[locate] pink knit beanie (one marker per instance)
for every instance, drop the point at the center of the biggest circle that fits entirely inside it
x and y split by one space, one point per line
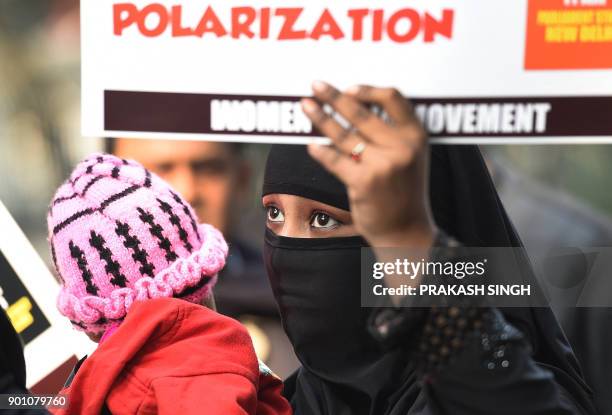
119 234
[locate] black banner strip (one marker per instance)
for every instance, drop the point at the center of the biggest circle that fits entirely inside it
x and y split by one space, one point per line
165 112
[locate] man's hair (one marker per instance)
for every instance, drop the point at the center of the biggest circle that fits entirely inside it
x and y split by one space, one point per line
110 145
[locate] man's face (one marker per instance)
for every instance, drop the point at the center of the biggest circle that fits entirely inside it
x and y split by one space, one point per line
210 176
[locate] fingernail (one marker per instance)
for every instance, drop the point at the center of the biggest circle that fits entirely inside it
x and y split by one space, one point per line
309 105
353 90
319 86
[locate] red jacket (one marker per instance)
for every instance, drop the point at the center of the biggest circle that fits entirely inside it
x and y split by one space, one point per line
173 357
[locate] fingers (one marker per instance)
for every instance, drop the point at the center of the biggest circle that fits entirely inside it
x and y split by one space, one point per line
407 125
344 139
338 164
390 99
368 124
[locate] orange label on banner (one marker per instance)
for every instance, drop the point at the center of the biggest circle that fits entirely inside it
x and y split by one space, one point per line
569 34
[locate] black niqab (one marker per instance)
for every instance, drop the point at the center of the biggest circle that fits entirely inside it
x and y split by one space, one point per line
316 285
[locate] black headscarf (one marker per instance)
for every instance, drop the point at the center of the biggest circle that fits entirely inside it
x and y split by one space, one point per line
315 282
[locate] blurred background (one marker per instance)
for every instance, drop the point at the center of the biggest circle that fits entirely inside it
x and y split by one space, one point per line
556 195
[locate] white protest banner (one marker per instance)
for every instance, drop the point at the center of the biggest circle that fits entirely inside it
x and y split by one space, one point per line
521 71
28 293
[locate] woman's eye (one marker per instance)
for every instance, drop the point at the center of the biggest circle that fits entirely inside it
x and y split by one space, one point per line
323 220
275 214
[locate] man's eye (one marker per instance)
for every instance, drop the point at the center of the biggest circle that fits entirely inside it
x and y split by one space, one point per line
164 168
323 220
209 167
275 214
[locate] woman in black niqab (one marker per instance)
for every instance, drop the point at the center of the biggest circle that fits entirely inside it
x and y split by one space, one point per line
346 370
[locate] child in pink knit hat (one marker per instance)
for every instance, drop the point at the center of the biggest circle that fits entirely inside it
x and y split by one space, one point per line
135 267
